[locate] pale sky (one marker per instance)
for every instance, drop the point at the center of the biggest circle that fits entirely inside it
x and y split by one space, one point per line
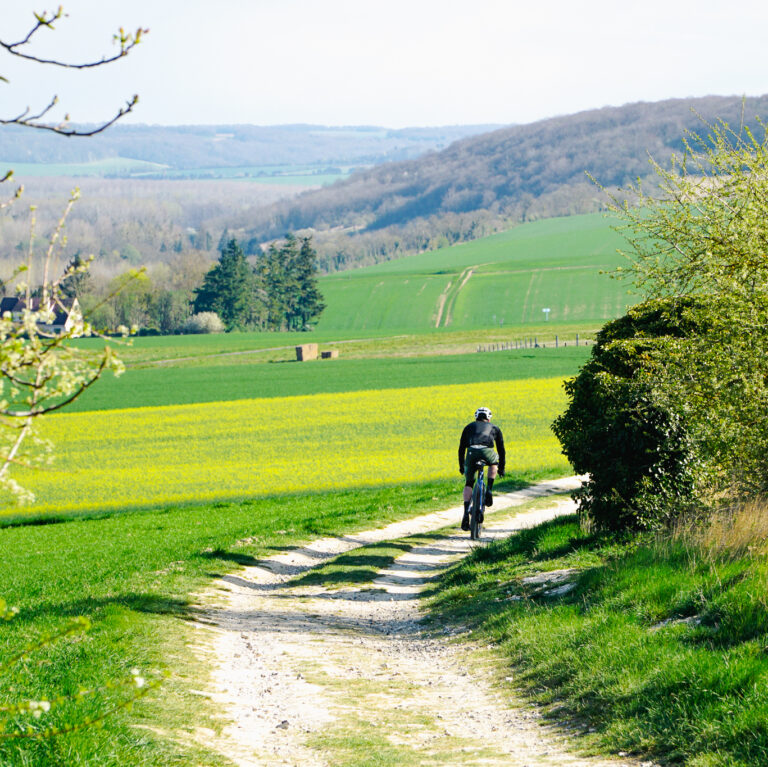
395 63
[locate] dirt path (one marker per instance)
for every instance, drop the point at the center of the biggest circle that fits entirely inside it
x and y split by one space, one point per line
316 677
463 280
441 303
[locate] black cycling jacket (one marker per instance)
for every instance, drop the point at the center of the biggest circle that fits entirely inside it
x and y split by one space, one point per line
482 433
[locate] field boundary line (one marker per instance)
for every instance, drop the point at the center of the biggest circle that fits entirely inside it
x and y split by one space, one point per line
171 360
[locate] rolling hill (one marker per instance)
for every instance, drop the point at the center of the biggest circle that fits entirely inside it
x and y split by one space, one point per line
483 183
504 279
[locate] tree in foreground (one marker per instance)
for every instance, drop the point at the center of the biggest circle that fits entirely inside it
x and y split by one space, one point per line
681 383
41 371
31 118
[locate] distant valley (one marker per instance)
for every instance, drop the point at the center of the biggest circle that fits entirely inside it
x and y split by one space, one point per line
301 154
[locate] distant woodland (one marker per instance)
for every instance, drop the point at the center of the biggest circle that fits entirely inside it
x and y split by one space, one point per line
129 223
492 181
175 229
474 187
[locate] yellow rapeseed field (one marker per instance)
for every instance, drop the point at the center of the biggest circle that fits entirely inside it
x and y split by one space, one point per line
247 448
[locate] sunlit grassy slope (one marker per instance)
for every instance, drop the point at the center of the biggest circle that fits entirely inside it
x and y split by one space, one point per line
508 278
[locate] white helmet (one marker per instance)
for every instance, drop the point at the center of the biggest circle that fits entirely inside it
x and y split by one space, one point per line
486 411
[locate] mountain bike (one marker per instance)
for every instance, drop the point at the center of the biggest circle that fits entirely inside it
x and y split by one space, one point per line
477 504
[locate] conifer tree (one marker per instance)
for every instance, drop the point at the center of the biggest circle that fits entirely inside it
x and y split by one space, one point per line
310 304
273 272
231 289
289 275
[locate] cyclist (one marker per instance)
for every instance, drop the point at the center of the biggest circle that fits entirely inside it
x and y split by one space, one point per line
477 441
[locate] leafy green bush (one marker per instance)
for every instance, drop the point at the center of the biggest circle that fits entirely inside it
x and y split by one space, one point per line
671 413
635 447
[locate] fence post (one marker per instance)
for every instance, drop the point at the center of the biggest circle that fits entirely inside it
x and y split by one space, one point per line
556 342
577 339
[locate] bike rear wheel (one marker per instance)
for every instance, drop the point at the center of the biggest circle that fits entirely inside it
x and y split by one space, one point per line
477 510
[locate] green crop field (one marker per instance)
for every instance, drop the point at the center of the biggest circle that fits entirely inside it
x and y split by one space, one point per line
180 385
505 279
284 175
197 348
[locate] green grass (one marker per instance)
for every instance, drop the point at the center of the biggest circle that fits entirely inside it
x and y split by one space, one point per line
193 348
504 279
165 385
133 576
125 167
113 166
692 691
246 348
357 567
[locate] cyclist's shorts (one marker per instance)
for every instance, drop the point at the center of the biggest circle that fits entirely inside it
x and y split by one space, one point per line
475 454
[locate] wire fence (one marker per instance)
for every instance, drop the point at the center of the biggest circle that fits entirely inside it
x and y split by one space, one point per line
534 343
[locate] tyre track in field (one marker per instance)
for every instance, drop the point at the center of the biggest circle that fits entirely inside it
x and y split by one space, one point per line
299 671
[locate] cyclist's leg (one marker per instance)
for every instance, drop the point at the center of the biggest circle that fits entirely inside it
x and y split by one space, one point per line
493 470
467 501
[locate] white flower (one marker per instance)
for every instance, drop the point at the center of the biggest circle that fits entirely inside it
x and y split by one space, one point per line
38 707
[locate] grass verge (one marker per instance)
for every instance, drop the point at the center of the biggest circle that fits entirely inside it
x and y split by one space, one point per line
658 647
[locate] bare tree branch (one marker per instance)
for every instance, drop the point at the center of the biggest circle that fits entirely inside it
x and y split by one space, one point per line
127 41
61 128
45 20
